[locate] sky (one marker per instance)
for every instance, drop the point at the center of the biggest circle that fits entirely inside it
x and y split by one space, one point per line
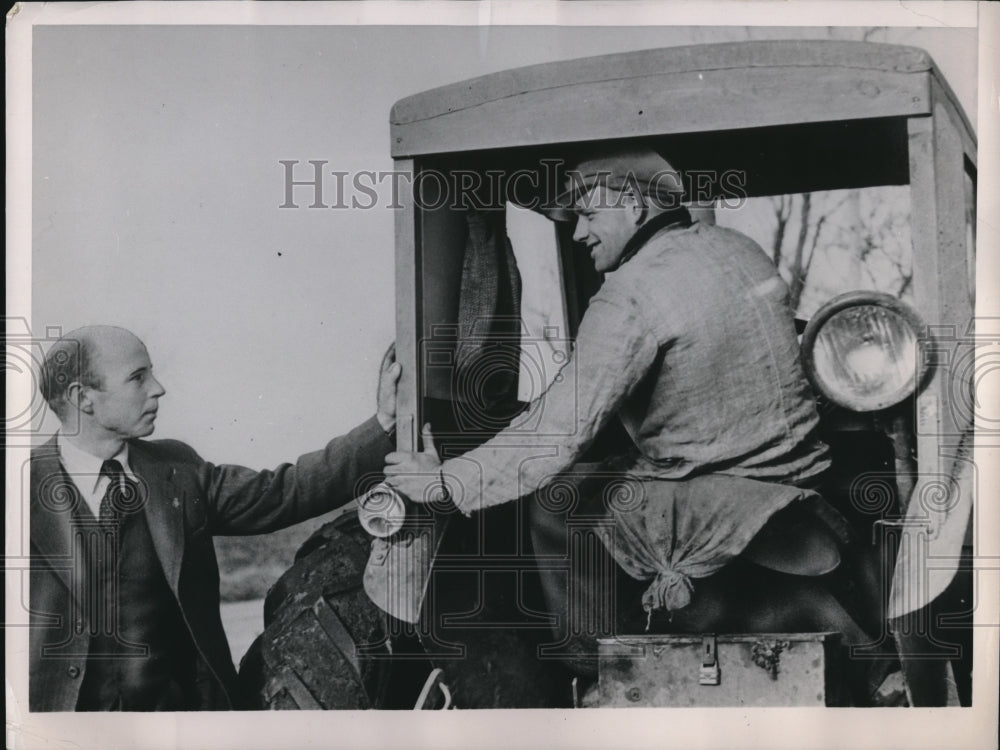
157 184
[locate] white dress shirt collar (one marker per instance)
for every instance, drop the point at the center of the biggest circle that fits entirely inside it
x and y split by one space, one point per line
85 471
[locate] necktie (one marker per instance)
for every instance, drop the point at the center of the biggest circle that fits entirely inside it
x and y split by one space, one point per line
121 496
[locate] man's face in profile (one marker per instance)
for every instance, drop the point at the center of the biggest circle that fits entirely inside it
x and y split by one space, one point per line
606 219
126 402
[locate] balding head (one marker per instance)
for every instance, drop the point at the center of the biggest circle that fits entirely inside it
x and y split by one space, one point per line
77 358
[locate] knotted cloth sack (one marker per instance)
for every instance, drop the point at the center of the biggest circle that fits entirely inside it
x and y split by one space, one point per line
674 531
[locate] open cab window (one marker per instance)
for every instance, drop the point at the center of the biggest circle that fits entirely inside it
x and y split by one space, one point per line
828 242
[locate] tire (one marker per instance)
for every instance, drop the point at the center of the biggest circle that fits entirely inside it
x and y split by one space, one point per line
333 558
317 614
324 645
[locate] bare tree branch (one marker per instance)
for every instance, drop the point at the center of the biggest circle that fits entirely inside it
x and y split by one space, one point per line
905 286
871 275
797 271
812 248
782 211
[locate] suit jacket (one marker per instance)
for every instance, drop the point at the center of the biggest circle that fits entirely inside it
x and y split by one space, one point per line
189 500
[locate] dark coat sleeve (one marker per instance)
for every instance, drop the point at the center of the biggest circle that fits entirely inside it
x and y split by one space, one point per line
244 501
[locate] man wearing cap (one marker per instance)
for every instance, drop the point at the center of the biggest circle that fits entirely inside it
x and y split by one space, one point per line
124 578
691 344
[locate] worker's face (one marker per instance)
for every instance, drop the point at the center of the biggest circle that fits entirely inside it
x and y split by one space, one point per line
606 219
125 403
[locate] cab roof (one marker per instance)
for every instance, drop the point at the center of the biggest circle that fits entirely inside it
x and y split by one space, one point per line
689 89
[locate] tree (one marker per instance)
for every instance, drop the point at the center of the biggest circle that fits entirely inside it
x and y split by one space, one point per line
858 238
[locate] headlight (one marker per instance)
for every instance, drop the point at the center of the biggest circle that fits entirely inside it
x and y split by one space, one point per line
862 351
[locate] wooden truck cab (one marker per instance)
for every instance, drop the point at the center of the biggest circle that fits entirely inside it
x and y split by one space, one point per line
786 118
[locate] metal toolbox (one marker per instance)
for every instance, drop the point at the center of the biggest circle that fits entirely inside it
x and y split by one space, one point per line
762 669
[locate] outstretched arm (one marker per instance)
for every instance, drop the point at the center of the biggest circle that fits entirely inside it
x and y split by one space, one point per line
614 350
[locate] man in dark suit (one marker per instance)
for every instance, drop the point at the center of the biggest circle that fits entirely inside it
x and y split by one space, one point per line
124 578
